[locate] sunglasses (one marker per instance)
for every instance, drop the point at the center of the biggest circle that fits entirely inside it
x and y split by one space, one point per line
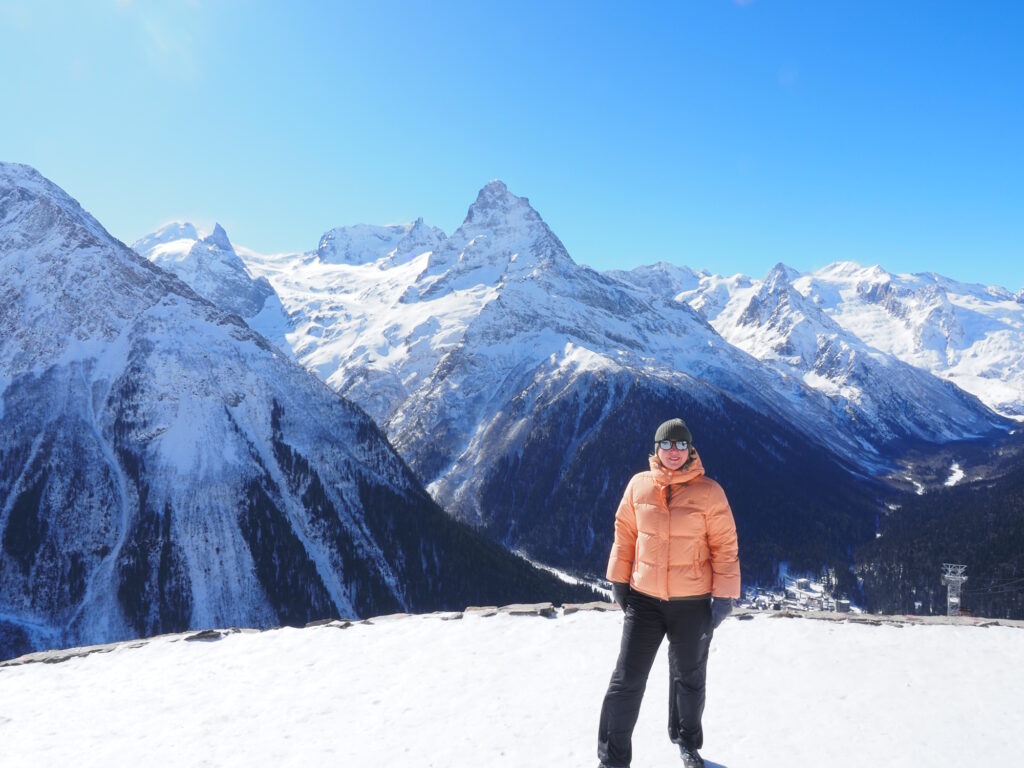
667 445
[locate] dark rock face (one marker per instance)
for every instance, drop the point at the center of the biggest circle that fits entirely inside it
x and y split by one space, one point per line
284 569
154 587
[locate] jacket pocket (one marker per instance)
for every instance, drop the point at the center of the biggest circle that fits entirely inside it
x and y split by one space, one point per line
701 556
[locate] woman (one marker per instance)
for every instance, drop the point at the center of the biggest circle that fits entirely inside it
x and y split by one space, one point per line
674 570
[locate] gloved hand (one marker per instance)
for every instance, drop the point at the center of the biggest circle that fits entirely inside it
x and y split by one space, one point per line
620 591
720 608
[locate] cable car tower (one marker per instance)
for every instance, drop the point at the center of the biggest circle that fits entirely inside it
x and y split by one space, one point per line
953 576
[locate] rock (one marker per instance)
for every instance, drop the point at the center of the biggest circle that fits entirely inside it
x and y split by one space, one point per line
206 635
489 610
335 623
65 654
547 610
595 605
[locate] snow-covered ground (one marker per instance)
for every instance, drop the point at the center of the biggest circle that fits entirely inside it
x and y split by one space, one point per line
519 691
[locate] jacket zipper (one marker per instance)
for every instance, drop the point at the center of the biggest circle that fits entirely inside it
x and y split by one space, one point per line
668 529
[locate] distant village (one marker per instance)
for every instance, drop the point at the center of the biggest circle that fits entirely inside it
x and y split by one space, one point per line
797 594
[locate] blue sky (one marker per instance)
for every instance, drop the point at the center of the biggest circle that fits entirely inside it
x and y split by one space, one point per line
713 133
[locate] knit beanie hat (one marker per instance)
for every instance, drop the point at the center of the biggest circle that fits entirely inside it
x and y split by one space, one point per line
673 429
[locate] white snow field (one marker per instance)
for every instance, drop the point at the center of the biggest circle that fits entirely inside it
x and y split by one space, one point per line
519 691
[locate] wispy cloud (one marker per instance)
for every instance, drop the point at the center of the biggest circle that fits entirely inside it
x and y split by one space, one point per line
167 35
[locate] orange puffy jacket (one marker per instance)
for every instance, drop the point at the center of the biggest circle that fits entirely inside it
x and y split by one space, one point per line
675 535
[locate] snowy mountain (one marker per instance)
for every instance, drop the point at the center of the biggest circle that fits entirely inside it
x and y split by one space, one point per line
523 388
970 335
886 399
516 691
367 244
163 467
210 265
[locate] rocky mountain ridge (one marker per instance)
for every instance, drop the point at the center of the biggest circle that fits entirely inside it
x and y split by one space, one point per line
969 335
521 387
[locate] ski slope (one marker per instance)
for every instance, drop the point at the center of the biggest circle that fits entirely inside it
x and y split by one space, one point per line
516 691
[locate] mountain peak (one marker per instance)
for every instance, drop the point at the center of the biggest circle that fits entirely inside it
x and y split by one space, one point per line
19 174
780 274
219 238
175 230
36 211
495 204
851 270
502 234
495 189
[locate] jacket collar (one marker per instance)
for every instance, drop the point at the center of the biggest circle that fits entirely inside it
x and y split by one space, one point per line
690 471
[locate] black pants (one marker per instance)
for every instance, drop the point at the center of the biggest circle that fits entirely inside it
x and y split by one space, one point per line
688 626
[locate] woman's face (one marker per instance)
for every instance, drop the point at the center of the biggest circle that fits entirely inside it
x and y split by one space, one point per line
673 458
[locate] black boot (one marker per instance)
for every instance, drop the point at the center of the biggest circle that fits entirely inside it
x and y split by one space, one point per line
691 758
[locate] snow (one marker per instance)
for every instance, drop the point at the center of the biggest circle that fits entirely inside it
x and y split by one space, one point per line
971 335
919 488
568 578
391 316
143 383
519 691
785 321
956 474
350 317
968 334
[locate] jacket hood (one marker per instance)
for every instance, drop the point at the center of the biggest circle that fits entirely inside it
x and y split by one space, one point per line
690 471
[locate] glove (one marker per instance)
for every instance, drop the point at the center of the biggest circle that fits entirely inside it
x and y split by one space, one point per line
620 591
720 608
